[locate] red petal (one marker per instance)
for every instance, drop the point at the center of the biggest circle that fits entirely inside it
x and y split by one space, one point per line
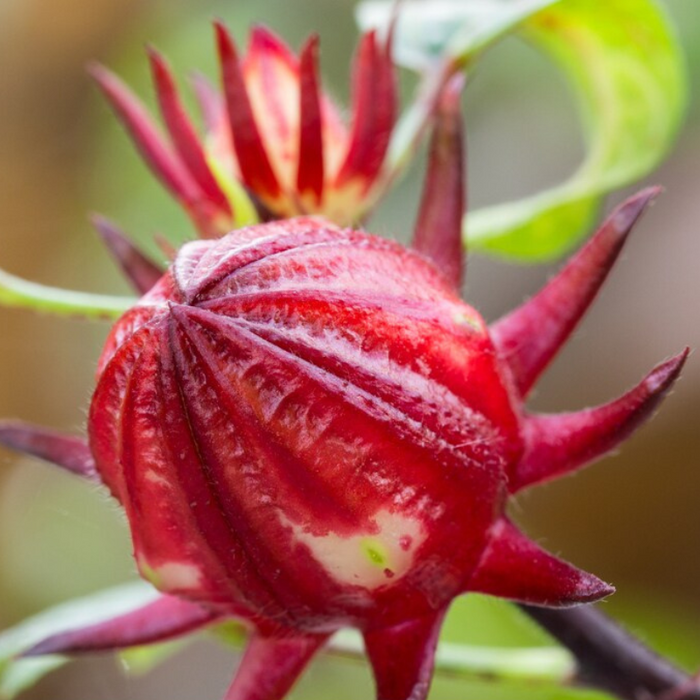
253 160
530 336
403 657
156 152
271 75
164 618
265 45
438 232
182 132
271 666
66 451
141 271
374 112
516 568
310 174
562 443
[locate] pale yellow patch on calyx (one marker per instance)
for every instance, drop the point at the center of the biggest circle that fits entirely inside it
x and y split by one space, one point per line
371 558
171 576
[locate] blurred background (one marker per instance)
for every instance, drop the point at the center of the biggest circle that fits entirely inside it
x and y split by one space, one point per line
633 519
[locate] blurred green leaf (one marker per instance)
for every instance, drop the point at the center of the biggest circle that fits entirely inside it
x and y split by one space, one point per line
435 38
138 661
621 58
548 665
18 674
485 621
428 31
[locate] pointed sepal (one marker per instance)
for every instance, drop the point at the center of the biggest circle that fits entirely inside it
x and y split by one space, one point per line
529 337
438 231
271 666
183 134
310 169
403 657
162 619
157 153
373 111
514 567
253 159
140 270
559 444
66 451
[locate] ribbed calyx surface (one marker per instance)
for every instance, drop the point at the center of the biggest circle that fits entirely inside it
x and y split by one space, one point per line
305 422
309 430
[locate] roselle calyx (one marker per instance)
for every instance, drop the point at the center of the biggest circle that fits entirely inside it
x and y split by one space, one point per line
313 384
308 430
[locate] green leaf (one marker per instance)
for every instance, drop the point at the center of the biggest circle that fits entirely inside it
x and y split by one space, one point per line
244 212
621 58
18 674
433 29
435 37
21 294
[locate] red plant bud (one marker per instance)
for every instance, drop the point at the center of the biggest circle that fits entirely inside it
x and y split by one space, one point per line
308 429
306 421
272 129
306 426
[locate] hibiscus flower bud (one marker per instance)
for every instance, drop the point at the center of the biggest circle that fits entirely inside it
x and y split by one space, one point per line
272 133
322 408
308 429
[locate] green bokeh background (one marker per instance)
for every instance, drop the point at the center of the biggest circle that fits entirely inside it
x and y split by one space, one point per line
632 519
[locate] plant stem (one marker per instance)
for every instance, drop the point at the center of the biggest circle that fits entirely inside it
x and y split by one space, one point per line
19 293
549 665
610 658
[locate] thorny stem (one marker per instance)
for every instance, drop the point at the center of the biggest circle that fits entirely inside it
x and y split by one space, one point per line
611 659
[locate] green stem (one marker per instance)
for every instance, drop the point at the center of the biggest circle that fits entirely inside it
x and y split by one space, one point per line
535 664
547 665
21 294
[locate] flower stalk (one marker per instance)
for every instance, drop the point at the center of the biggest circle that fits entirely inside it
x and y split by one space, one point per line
21 294
611 659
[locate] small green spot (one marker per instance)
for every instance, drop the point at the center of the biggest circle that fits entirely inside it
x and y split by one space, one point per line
375 552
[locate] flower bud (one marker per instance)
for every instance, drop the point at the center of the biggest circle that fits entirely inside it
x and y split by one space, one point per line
307 422
272 133
308 430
